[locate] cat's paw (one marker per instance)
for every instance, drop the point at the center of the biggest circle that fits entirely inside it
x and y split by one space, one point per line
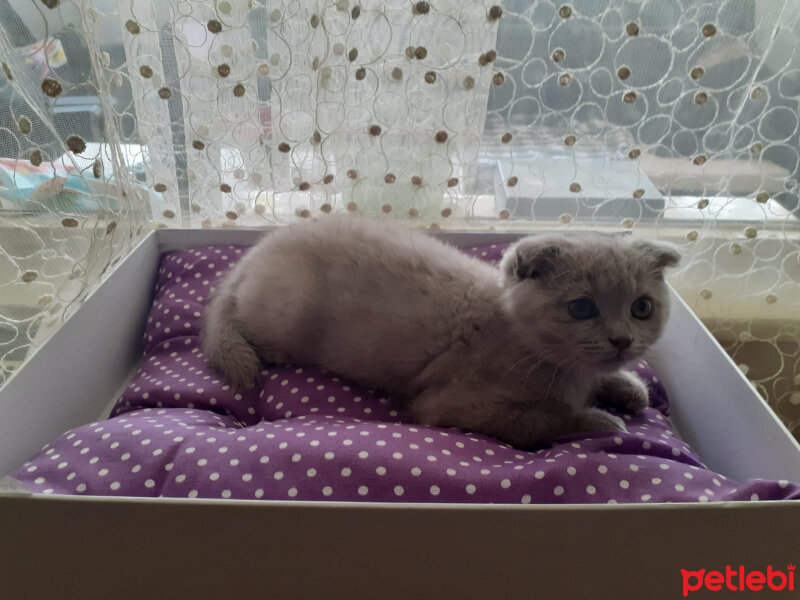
270 356
238 367
622 389
237 364
594 419
241 376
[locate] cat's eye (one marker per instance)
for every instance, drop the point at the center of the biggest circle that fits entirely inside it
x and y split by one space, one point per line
582 308
642 308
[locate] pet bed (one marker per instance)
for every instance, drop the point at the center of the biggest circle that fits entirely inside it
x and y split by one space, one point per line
304 434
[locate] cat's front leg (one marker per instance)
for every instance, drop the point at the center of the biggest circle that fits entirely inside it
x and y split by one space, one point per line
521 425
623 389
595 419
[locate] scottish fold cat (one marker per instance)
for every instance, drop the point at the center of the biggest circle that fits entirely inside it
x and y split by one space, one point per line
524 352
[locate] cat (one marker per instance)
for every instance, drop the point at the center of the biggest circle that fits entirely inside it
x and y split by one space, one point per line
523 353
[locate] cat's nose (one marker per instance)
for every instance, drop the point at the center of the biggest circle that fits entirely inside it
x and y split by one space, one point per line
621 343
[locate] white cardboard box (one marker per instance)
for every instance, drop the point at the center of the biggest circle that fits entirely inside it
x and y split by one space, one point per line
136 547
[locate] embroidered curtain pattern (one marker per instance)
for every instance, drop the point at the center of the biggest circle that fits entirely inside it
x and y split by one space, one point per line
675 119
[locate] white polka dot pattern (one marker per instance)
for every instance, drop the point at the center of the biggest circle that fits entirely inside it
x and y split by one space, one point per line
304 434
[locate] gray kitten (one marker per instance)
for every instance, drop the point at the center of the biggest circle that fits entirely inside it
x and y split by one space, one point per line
523 353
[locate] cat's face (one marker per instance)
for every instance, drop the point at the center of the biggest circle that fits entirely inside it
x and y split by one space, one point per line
590 299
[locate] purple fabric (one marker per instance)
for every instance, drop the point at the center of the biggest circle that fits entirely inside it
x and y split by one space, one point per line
302 433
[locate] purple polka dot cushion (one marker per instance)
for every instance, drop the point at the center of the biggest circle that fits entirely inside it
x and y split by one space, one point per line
302 433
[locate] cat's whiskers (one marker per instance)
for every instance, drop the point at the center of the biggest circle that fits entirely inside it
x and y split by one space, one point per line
527 356
547 357
542 358
563 273
555 372
531 369
525 352
591 347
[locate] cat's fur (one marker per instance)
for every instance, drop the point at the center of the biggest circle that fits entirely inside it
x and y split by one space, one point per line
460 342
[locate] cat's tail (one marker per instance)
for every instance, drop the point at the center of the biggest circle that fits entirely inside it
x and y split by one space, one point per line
224 347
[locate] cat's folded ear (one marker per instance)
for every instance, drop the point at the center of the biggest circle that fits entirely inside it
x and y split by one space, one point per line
660 254
533 258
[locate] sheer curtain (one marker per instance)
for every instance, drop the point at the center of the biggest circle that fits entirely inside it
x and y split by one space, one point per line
677 119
